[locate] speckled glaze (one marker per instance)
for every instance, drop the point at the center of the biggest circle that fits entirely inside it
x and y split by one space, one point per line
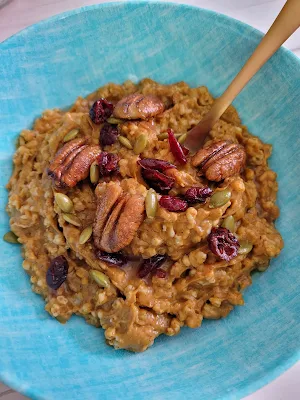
49 65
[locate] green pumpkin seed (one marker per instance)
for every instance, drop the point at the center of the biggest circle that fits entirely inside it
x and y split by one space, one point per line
262 268
71 135
162 136
85 235
182 138
64 202
245 247
100 278
94 173
114 121
229 223
72 219
218 199
125 142
62 320
11 237
151 203
140 144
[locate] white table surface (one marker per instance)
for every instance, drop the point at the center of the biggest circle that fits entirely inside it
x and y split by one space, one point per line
18 14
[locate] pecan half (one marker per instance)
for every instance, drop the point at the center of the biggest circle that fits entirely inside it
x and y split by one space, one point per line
69 149
118 217
220 160
138 106
72 162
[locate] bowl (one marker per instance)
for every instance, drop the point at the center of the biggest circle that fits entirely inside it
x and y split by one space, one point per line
48 65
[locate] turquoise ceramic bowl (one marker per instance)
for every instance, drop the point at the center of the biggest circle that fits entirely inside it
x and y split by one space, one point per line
48 65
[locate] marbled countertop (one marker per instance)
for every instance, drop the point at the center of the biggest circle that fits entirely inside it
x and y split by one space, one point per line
17 14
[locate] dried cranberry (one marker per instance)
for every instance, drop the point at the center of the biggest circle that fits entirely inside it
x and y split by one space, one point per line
153 163
112 258
176 148
223 243
100 111
108 134
151 265
197 194
185 150
174 204
161 273
157 180
108 163
57 272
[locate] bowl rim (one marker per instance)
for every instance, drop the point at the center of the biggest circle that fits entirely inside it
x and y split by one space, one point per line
283 364
156 3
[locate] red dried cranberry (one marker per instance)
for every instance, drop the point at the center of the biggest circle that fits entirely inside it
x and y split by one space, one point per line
151 265
108 163
161 273
57 272
100 111
223 243
153 163
176 148
185 150
174 204
197 194
112 258
108 134
160 182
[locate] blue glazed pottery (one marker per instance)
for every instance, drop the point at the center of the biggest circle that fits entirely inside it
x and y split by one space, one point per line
48 65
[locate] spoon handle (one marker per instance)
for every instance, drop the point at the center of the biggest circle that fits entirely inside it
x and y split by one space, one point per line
282 28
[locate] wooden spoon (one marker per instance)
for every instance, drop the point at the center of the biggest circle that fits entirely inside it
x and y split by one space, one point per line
283 27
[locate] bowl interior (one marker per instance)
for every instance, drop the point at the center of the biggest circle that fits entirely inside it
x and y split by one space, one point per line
48 65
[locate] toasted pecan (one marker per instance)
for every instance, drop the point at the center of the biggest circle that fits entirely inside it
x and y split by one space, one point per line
220 160
129 221
80 167
108 242
68 150
138 106
118 217
105 204
72 162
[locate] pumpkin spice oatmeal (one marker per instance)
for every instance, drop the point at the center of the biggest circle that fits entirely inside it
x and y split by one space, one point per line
121 225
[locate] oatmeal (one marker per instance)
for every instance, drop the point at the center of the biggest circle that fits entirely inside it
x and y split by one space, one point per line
121 225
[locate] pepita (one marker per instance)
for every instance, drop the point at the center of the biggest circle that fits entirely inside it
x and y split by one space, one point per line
61 319
71 135
162 136
125 142
182 138
218 199
11 237
114 121
262 268
85 235
140 144
151 203
101 279
229 223
64 202
71 219
94 173
245 247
